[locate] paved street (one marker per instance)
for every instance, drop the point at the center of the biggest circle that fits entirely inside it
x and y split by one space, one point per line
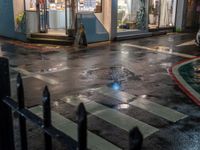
122 84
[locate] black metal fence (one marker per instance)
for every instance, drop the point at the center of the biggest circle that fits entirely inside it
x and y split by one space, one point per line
8 105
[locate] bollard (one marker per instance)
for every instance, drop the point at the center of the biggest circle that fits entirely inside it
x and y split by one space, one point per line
22 120
82 127
47 117
135 139
6 125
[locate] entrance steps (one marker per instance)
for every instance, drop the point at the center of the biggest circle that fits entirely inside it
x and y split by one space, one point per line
45 38
133 36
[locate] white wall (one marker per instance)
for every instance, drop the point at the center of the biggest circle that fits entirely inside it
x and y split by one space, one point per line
110 17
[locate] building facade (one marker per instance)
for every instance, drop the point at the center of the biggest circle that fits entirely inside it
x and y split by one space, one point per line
103 19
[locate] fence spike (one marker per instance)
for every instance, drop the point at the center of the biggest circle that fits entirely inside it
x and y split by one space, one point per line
22 120
47 117
46 94
20 91
82 127
135 139
6 125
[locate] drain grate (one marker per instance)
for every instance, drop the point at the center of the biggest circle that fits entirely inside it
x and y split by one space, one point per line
117 73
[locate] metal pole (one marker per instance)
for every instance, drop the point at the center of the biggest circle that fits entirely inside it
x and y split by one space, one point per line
6 125
47 117
22 120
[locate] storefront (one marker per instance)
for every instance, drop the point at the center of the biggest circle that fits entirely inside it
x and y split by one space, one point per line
103 19
59 17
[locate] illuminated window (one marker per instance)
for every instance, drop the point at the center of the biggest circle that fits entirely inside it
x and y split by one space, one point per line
90 6
31 5
131 15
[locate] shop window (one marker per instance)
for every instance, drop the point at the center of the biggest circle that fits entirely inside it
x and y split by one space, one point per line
31 5
167 13
19 15
162 13
154 13
90 6
56 4
131 15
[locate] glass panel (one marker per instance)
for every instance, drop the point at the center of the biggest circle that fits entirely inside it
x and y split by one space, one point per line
31 5
154 12
19 15
90 5
131 15
56 15
167 13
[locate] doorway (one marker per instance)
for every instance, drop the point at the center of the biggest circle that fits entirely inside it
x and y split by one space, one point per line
55 16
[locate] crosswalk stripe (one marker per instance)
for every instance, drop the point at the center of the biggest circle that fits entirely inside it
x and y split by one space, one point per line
120 95
112 116
37 76
154 108
70 128
159 110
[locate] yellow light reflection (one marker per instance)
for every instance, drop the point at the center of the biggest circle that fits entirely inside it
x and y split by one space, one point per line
123 106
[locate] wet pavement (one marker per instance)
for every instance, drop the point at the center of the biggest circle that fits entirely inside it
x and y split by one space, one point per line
123 84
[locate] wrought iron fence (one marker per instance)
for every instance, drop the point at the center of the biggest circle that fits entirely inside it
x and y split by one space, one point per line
8 105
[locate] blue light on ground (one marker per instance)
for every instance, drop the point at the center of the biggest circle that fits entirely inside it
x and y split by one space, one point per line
116 86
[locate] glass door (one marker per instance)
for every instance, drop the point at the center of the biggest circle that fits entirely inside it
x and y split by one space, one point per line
42 15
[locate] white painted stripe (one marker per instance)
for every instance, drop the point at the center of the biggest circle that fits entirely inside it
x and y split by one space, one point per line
70 128
37 76
159 50
159 110
188 43
120 95
112 116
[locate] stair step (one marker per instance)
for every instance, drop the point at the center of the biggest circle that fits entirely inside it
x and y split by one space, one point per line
133 36
48 36
52 41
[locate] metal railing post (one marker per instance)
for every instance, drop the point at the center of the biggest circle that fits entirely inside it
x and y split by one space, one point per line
82 127
6 125
135 139
22 120
47 117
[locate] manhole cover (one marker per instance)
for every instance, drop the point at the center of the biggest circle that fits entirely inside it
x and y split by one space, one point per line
113 73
